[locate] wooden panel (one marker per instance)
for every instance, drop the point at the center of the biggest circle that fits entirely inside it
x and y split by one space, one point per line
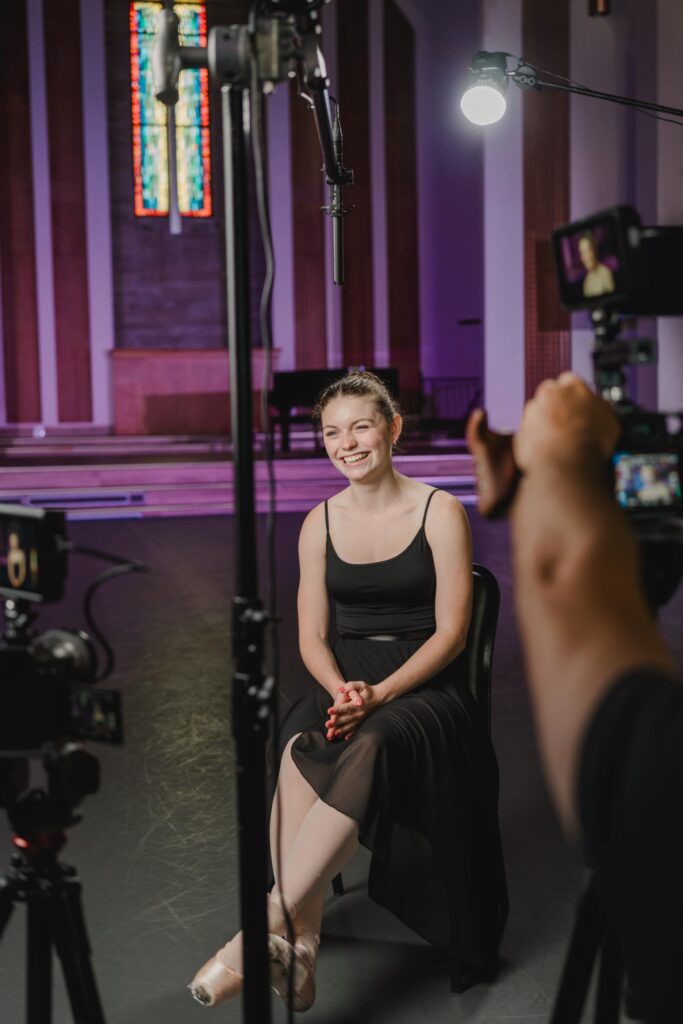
401 185
354 85
309 238
546 192
160 391
17 244
67 185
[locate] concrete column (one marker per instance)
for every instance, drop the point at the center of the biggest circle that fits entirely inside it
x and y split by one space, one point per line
597 139
504 233
613 149
97 208
378 183
670 188
3 407
40 151
335 347
280 194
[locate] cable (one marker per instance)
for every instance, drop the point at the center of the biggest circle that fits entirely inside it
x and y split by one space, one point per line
267 344
105 556
579 85
122 567
258 146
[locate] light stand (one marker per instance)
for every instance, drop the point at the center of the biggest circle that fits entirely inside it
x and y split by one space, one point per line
279 41
525 76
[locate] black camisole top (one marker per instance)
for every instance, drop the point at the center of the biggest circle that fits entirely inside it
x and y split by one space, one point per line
393 597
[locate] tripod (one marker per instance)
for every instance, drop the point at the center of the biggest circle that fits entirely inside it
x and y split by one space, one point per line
592 936
52 894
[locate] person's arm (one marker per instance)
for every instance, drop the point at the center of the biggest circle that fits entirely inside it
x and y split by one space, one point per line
313 605
448 533
579 603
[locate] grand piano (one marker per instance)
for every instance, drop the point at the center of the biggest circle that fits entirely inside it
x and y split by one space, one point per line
299 389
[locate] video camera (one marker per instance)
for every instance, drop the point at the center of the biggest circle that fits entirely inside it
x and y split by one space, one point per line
614 267
48 704
46 693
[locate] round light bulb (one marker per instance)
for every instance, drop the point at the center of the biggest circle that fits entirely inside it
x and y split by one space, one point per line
483 104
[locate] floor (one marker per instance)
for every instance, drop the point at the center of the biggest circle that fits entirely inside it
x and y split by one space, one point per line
156 849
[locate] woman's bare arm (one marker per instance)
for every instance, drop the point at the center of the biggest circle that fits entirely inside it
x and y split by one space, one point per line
313 605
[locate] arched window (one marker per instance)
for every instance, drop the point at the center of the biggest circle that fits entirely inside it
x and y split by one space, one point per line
150 155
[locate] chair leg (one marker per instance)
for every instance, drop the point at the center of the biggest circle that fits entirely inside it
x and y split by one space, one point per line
459 976
338 885
463 975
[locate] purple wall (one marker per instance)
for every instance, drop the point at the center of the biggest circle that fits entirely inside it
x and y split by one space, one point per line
451 193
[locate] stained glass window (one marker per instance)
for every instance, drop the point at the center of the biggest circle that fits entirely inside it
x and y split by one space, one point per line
150 156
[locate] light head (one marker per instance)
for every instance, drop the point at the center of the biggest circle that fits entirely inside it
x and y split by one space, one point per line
484 102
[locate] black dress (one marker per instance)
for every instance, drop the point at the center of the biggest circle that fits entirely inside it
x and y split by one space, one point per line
419 775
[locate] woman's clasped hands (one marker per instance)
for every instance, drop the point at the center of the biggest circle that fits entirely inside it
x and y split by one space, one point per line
354 701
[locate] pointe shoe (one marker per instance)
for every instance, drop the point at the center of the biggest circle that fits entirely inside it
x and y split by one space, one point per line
218 980
300 959
221 979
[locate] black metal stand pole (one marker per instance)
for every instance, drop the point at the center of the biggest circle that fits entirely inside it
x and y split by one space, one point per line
251 694
230 55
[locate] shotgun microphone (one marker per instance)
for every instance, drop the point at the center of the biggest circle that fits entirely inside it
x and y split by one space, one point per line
337 205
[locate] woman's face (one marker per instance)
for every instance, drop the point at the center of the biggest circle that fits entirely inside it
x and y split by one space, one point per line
357 437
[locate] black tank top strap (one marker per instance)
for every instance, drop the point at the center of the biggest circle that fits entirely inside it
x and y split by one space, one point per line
424 518
327 520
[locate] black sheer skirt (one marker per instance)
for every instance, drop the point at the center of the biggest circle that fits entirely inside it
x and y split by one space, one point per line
420 777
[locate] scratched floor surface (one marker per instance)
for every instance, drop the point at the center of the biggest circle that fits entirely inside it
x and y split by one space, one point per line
156 849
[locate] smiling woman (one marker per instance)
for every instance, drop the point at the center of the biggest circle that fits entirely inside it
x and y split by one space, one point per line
389 748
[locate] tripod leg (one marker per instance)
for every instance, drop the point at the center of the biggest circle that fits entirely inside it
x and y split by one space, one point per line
610 984
73 948
578 966
38 959
7 891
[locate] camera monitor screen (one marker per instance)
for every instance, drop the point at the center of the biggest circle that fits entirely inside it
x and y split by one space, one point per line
647 480
591 258
32 560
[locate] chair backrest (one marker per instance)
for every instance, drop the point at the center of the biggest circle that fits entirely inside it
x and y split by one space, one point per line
478 653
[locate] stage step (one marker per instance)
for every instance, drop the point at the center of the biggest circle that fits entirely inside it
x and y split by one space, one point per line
97 490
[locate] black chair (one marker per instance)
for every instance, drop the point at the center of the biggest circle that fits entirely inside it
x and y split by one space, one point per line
447 403
478 653
478 658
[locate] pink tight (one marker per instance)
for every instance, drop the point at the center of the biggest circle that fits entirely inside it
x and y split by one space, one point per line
310 843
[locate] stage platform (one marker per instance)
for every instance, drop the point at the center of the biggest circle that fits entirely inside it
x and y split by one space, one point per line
101 477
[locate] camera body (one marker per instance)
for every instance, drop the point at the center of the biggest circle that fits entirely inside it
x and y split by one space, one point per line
33 554
610 261
647 465
46 691
612 266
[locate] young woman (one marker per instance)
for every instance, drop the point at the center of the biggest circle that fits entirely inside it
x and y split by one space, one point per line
390 748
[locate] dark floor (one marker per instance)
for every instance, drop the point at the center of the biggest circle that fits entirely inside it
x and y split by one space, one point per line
156 848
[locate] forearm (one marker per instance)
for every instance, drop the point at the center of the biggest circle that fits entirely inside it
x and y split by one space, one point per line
319 660
579 604
434 654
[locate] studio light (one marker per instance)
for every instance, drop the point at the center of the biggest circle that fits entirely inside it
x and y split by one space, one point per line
484 102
